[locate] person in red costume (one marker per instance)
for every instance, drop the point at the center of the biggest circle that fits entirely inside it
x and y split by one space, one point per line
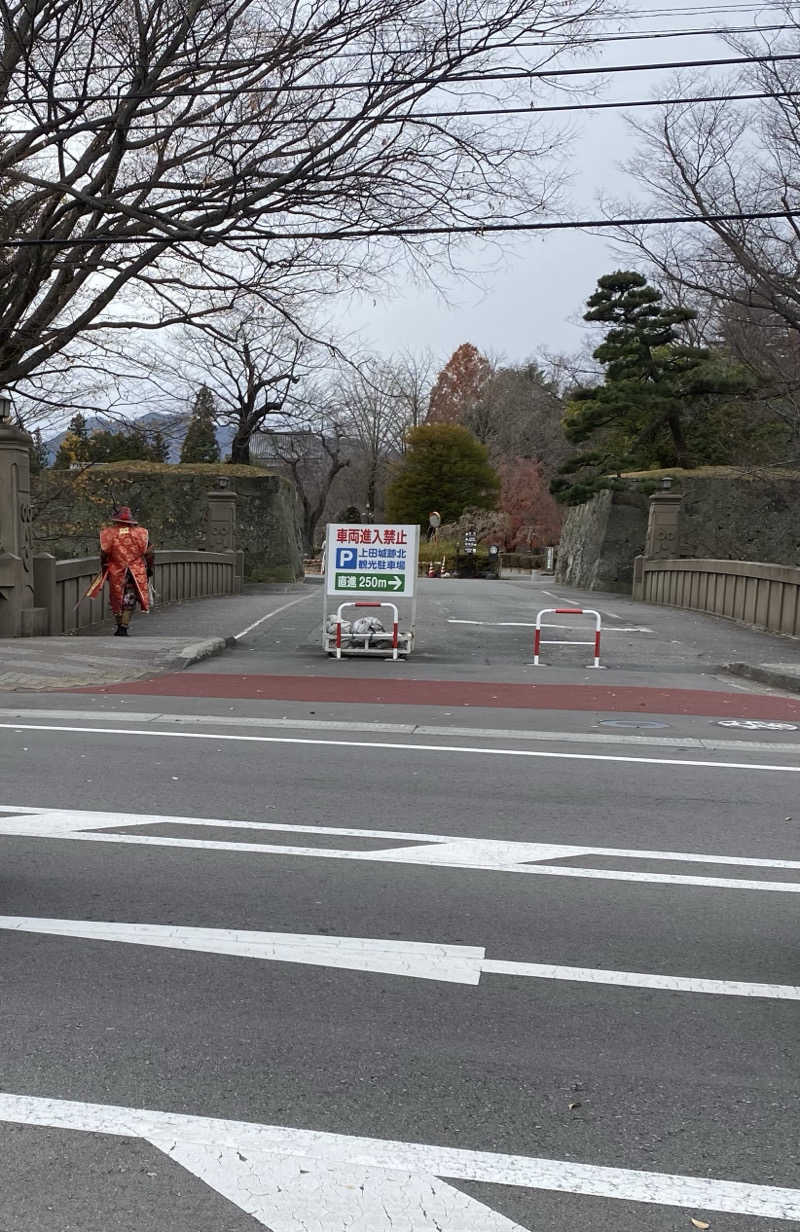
126 560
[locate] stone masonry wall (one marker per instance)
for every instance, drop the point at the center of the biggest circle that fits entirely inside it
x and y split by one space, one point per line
725 515
743 518
172 502
600 539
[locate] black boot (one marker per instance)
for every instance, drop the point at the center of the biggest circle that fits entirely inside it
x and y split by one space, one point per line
123 630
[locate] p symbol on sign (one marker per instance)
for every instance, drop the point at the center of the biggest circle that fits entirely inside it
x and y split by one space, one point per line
346 558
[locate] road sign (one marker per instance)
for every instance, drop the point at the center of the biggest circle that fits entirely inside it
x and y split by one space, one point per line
435 520
393 582
371 560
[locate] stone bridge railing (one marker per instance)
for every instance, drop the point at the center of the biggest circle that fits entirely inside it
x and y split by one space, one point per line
767 596
59 585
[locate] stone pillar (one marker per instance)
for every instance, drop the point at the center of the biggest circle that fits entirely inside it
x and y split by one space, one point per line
16 532
221 529
44 588
663 526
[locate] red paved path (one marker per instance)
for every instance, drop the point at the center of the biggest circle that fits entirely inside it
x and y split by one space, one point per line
456 693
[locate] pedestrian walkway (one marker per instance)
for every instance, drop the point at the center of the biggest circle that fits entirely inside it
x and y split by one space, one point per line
168 639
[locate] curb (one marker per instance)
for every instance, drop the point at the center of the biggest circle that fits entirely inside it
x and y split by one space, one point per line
766 675
196 651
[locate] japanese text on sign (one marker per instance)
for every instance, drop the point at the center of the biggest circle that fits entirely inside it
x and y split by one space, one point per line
379 558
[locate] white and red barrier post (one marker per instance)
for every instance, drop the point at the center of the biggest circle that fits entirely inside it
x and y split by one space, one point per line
367 603
567 611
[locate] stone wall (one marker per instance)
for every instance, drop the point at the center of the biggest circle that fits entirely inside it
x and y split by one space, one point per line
726 515
172 502
600 539
747 517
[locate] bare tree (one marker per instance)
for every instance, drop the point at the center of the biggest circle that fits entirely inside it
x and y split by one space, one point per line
251 362
737 157
156 154
313 456
379 401
411 375
734 156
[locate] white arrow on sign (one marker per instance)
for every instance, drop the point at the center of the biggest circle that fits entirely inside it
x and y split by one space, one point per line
395 582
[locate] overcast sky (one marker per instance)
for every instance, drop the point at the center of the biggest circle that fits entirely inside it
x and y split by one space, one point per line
534 300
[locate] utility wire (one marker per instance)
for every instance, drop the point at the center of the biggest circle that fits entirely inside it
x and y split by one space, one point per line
507 75
413 116
476 228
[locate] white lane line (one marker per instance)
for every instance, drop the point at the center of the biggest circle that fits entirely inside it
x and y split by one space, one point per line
269 615
230 720
416 729
454 964
391 746
485 855
531 624
641 979
194 1141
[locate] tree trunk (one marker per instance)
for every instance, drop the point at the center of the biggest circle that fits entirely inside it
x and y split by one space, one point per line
682 455
240 450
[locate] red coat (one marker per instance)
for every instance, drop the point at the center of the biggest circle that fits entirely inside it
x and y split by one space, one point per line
126 549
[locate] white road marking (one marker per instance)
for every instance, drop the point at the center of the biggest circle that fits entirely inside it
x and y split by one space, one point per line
269 615
457 964
454 964
387 745
531 624
340 1163
641 979
486 855
771 748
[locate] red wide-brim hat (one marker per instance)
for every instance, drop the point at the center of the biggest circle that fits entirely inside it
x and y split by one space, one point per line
124 516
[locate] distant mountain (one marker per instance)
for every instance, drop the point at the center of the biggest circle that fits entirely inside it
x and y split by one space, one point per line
173 427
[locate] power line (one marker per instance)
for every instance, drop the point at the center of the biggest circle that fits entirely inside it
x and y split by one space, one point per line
631 36
550 39
507 75
412 116
476 228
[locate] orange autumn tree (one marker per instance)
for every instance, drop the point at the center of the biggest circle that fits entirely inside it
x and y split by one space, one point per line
459 386
532 515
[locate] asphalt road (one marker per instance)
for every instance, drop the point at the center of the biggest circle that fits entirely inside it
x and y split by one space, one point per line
482 971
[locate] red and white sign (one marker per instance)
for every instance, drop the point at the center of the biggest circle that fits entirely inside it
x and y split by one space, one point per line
371 561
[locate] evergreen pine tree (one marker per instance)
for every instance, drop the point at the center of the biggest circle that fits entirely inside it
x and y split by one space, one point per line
656 391
40 458
200 443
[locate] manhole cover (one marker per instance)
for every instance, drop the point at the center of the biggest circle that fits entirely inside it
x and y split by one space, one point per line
757 724
629 723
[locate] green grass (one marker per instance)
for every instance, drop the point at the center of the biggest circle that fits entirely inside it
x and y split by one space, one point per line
715 472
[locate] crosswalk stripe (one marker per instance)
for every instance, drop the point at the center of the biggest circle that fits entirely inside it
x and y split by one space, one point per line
341 1160
435 851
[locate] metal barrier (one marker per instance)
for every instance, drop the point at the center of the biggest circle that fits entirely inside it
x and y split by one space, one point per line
367 649
567 611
